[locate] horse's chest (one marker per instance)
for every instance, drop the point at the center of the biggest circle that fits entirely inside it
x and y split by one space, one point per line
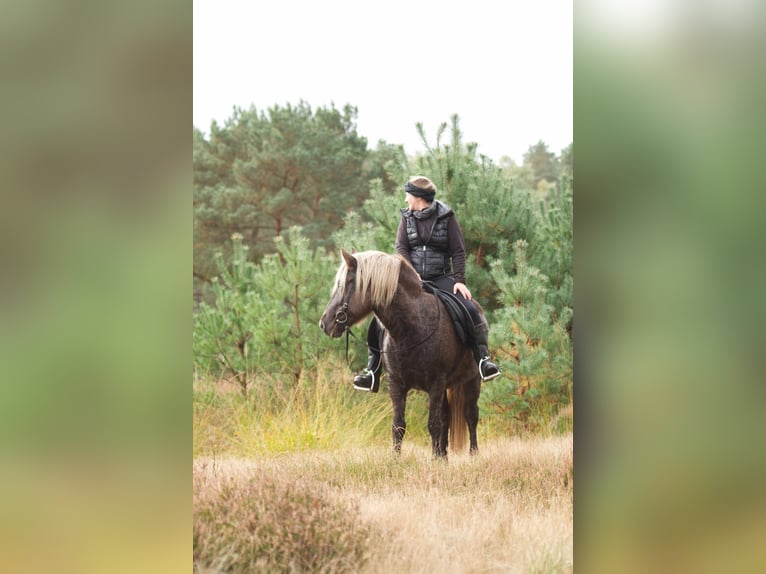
416 371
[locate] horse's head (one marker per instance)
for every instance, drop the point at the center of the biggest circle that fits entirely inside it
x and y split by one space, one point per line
345 308
364 281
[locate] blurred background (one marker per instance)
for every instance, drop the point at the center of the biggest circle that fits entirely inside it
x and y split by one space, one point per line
669 276
97 248
95 330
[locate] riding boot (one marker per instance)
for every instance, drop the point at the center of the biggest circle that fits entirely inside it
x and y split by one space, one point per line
487 369
369 379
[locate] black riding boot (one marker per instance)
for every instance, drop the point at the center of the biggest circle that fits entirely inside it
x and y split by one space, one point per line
369 379
487 369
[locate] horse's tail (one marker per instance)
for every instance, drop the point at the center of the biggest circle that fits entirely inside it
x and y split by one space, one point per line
458 426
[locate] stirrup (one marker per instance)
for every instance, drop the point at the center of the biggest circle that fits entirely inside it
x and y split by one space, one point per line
372 381
490 376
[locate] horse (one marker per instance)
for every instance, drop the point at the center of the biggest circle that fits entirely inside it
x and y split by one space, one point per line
420 350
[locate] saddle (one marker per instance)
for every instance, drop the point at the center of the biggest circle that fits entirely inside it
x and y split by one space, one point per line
461 318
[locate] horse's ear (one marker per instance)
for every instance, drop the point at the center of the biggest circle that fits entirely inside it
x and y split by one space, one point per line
349 259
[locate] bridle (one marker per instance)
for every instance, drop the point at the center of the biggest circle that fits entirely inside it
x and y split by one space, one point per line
341 316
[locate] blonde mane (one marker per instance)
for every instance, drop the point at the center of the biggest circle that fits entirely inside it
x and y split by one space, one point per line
377 276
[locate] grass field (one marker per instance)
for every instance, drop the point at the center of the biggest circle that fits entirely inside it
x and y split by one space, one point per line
509 509
302 478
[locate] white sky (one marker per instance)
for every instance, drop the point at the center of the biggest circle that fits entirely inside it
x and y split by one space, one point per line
505 67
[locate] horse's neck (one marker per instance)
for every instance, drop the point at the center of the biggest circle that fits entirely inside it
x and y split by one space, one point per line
405 315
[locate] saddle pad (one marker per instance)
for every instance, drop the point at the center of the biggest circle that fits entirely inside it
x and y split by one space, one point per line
461 318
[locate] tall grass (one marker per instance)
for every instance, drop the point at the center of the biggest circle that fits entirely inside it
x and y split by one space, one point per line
322 411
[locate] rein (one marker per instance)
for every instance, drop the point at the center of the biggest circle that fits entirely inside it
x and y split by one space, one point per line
348 332
341 318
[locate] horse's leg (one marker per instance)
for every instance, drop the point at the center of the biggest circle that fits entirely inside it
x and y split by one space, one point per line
444 439
472 412
436 398
399 402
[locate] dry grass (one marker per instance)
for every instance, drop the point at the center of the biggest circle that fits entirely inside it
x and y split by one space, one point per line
256 522
509 509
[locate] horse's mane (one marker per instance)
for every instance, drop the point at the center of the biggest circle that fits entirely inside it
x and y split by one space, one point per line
377 276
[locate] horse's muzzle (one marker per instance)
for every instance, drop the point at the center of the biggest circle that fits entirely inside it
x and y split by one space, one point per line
333 329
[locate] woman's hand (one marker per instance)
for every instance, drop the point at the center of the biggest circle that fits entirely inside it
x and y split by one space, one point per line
463 290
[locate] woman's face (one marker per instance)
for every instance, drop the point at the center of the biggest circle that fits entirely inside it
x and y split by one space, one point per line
415 203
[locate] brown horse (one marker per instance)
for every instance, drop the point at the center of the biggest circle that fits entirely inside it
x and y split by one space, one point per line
420 349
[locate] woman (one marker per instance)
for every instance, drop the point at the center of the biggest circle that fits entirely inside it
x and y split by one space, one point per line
430 238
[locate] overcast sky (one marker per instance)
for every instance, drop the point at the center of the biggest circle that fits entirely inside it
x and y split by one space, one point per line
504 67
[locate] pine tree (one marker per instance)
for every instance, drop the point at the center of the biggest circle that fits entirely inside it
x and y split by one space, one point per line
223 331
264 172
533 346
263 320
542 162
551 245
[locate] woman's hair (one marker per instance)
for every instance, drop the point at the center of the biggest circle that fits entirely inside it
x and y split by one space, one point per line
422 182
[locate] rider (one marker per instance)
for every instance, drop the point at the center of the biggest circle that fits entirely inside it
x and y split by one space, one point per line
430 238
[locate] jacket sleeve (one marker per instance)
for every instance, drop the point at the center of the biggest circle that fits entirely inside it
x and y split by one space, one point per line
402 243
456 249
